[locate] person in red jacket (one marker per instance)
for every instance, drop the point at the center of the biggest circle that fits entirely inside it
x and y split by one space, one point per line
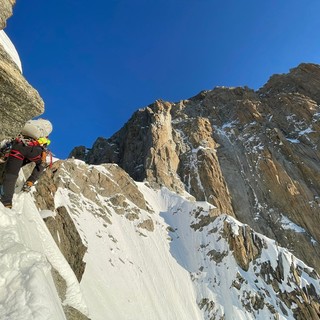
24 150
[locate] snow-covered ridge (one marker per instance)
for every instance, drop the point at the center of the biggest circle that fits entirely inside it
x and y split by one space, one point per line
10 48
173 250
194 263
27 253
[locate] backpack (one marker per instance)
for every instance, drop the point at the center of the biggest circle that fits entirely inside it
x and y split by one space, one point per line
37 128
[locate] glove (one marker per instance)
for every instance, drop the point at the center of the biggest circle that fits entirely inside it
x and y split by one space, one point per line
5 147
5 144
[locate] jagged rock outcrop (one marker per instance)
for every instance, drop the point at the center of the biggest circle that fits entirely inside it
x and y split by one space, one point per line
249 251
253 154
65 234
6 11
88 187
148 147
19 101
99 190
145 148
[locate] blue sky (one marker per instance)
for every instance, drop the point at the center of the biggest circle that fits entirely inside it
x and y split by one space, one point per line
96 62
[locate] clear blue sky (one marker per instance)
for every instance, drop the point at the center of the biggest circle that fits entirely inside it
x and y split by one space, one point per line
96 62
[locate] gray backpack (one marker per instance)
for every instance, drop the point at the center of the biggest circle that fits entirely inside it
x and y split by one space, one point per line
36 129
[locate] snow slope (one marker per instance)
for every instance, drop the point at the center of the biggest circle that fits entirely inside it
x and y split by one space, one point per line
27 252
169 271
130 272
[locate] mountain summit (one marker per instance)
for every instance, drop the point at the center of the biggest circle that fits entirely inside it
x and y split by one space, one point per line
252 154
246 155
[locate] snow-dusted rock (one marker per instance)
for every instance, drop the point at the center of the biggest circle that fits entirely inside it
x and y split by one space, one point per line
169 248
140 246
102 188
19 101
252 154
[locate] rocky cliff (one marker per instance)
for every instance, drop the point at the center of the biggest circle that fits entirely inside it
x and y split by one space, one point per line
19 101
140 240
252 154
6 11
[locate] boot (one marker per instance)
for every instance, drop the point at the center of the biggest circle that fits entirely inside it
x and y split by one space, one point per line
7 205
27 186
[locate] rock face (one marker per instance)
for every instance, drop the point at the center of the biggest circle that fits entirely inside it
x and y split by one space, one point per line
252 154
233 270
18 100
94 189
149 147
85 184
275 273
6 11
68 240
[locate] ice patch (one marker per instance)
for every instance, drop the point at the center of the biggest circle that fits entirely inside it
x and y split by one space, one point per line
10 48
293 140
287 224
306 131
46 214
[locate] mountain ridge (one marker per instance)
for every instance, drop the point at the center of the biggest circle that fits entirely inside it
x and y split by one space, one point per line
252 154
229 271
153 233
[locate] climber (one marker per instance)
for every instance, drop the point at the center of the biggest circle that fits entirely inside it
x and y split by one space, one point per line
30 146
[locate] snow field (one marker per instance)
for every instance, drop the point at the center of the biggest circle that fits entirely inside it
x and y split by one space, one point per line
28 251
27 290
130 273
